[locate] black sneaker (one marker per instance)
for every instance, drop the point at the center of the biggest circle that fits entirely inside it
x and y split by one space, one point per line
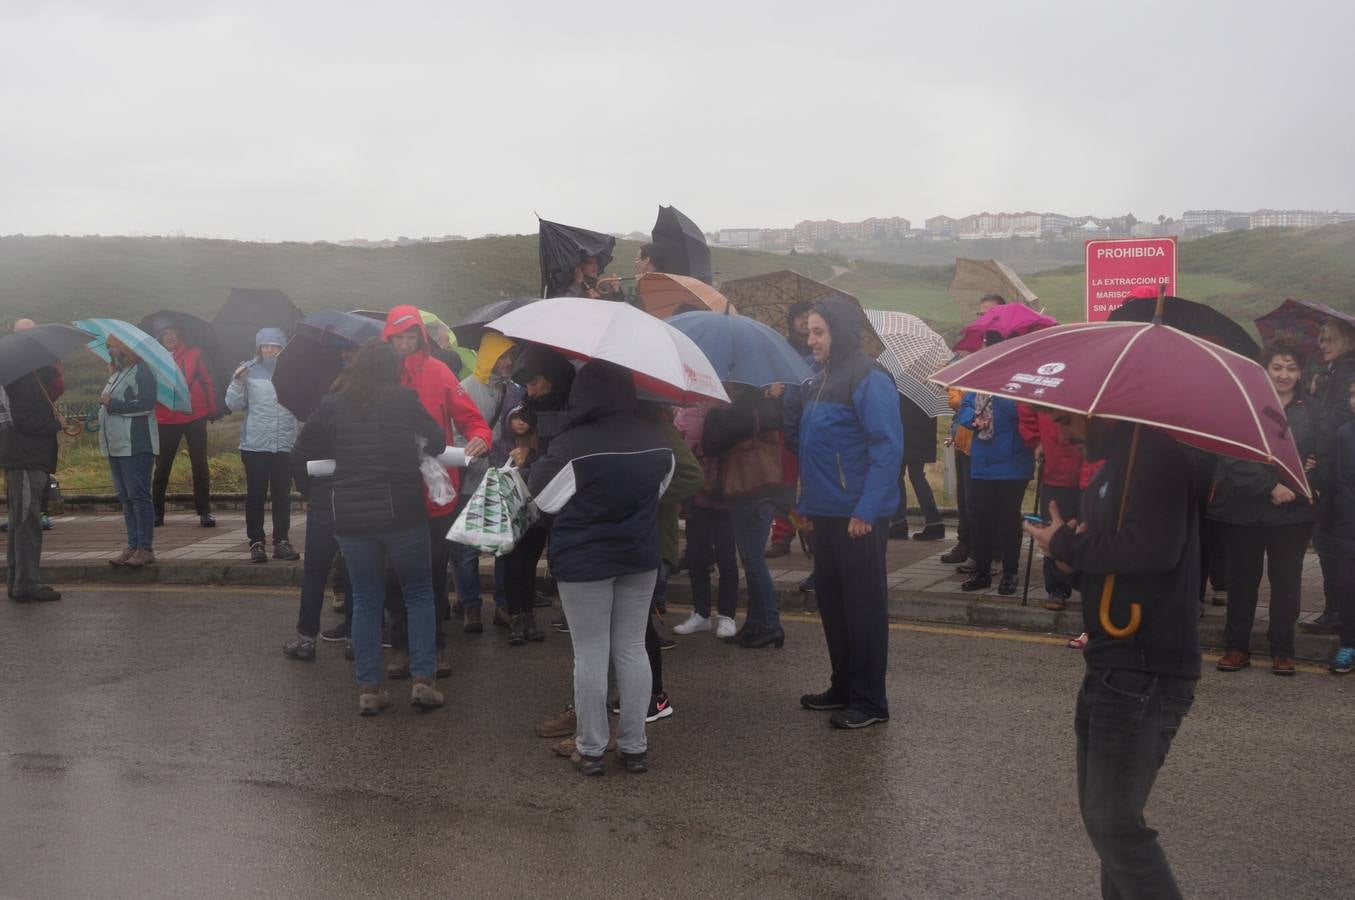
283 550
1326 623
957 554
588 765
634 763
561 625
807 586
257 553
898 531
40 594
855 718
667 643
299 647
540 600
207 520
337 633
826 700
931 533
660 707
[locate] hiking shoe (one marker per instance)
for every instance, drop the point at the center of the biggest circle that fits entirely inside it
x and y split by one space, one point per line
724 627
826 700
567 748
1344 661
659 708
41 594
855 718
517 630
398 668
471 623
635 763
1234 661
540 600
372 699
46 522
337 633
1323 624
778 549
561 625
121 558
257 553
667 643
588 765
977 582
207 520
1282 665
283 550
931 533
561 725
300 647
423 695
957 554
141 557
695 622
1057 600
530 630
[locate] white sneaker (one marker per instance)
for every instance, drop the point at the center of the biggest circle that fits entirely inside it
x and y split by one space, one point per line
725 627
695 622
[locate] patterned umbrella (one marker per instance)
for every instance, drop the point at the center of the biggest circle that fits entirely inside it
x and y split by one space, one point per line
171 389
1299 321
913 353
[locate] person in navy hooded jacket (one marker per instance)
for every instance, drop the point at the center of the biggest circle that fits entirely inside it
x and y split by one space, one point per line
851 448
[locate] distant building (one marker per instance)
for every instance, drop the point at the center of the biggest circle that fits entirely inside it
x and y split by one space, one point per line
1210 218
740 237
941 227
987 225
1053 225
1291 218
871 229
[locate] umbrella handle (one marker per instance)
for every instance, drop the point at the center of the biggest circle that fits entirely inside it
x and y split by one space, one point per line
1135 613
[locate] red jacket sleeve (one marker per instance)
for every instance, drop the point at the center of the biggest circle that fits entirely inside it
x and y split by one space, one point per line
57 386
466 415
205 377
1028 421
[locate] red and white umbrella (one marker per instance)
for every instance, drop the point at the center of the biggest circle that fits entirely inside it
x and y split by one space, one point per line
665 361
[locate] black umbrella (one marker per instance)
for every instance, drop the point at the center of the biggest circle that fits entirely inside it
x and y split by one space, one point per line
1192 318
194 332
562 247
339 329
247 310
305 371
681 245
42 345
470 328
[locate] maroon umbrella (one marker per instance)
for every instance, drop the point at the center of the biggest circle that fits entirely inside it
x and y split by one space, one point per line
1008 320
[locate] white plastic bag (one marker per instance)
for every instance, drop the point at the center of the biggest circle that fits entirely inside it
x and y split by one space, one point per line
435 478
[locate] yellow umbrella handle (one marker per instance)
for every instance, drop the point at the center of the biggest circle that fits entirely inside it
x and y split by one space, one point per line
1135 613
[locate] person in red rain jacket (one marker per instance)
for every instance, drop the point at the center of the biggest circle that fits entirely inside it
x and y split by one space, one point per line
442 395
190 426
1065 474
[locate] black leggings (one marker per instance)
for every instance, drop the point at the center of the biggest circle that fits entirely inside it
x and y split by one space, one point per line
519 570
655 655
267 474
995 507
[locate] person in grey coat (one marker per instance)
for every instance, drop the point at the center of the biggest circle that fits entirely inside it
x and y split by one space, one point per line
266 441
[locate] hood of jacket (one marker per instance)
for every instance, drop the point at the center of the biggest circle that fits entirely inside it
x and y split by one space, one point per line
600 389
537 360
845 321
492 347
401 319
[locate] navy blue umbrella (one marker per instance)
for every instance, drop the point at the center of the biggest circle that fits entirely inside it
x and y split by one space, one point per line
743 350
339 329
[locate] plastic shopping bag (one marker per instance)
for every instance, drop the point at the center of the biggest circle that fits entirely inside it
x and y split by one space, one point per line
436 481
497 513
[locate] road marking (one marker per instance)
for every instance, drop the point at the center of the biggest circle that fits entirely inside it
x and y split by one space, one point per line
94 588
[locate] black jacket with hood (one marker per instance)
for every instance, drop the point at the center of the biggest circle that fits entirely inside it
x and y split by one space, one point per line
602 478
1240 494
29 441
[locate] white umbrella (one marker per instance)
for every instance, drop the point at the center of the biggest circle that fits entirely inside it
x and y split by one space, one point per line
664 360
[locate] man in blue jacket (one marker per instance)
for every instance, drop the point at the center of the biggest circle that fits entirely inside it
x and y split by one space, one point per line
851 448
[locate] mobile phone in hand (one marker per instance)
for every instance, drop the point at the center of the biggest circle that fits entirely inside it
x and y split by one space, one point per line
1036 520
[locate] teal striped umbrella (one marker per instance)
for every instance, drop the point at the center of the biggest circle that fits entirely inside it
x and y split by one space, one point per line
171 388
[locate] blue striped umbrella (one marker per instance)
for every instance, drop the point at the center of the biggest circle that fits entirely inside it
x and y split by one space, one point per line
171 388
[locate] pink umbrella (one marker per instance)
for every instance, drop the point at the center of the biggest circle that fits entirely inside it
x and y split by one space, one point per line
1149 374
1008 320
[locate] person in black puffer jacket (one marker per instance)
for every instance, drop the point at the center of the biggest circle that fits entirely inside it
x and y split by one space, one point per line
601 478
1263 522
370 427
1330 392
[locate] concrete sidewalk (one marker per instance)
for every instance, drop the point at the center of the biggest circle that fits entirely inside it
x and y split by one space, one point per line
921 587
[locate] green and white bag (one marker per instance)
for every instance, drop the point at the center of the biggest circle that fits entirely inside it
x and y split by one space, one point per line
497 513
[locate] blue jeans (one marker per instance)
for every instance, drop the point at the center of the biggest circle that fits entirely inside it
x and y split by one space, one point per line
132 484
752 525
466 571
409 555
1125 724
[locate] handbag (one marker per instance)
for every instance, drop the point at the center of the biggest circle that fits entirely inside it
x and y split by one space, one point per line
497 514
752 467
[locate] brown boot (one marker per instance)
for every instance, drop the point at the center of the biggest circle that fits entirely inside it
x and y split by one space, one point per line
1234 661
561 725
567 749
471 622
121 558
398 668
140 558
372 699
424 695
1282 665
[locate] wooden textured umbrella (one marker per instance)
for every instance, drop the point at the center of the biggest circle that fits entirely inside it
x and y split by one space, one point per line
976 277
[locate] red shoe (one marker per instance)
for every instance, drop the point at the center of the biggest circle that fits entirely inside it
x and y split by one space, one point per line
1234 661
1079 642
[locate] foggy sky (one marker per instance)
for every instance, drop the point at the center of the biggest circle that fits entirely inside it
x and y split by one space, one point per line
307 120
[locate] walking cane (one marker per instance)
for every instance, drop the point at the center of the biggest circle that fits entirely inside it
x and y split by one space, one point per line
1030 551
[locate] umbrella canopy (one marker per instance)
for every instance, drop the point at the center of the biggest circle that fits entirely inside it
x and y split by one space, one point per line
245 311
743 350
1008 320
1193 318
171 388
664 360
194 332
1299 321
470 328
306 369
42 345
682 245
976 277
562 247
338 329
768 298
913 353
664 295
1203 394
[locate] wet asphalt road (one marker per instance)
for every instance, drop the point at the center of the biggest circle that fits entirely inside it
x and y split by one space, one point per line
158 745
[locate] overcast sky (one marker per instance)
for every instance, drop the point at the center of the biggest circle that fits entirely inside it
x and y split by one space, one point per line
290 120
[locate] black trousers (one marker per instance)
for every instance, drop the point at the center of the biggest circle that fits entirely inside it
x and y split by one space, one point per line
195 433
710 538
322 554
267 475
441 551
964 530
1279 549
1341 597
996 510
1213 558
655 656
852 590
519 572
1069 499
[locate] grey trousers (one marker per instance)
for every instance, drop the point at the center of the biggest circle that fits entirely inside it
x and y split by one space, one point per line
607 622
24 488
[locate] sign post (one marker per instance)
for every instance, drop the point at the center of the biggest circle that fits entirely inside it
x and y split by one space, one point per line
1116 267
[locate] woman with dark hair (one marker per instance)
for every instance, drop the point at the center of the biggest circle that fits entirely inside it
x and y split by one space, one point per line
129 438
1264 523
1330 396
370 427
